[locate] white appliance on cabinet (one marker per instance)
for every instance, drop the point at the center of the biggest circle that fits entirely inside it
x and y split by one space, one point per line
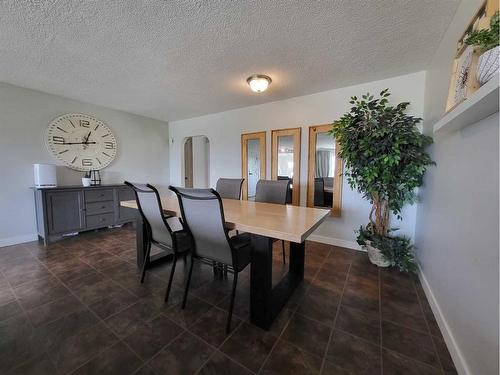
45 175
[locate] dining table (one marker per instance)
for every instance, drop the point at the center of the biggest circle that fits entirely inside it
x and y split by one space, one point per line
264 222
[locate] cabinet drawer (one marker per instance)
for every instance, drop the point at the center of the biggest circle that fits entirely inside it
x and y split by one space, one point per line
99 207
103 220
98 195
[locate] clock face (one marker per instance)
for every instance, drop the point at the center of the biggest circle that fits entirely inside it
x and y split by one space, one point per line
81 142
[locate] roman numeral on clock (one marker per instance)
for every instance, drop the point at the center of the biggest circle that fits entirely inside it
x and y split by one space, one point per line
58 140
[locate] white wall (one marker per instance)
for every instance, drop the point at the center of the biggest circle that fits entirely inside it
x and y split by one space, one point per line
24 116
457 224
224 130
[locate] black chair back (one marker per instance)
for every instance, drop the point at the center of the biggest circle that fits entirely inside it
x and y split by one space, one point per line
229 188
149 205
328 181
272 191
319 191
203 215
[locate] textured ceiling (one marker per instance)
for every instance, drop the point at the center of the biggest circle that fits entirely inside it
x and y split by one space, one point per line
177 59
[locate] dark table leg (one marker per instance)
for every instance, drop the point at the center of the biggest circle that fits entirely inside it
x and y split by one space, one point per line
265 301
141 242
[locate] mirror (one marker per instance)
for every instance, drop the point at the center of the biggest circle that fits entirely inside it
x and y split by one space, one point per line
253 162
286 160
324 187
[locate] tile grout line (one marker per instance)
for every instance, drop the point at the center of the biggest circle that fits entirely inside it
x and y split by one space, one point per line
146 363
28 320
99 319
380 322
294 311
417 331
217 349
188 329
335 319
429 329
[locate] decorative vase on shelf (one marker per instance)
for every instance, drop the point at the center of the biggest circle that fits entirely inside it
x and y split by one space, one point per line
376 256
488 65
86 181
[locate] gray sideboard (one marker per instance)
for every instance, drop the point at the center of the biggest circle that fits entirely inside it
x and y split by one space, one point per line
71 209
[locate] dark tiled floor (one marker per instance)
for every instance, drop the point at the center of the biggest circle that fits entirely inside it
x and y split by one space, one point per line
77 307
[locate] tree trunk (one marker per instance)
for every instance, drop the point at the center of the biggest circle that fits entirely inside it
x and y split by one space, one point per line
379 216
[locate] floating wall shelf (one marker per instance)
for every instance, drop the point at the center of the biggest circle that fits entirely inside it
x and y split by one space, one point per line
483 103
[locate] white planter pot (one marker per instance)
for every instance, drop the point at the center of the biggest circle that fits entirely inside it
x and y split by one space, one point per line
488 65
376 256
86 181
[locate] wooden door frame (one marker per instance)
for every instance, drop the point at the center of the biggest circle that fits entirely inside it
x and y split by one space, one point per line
261 136
297 134
311 167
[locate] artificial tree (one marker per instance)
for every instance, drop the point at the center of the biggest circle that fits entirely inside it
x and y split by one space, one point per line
385 159
486 39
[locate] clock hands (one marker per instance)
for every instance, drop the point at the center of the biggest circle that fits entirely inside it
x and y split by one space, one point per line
78 143
86 140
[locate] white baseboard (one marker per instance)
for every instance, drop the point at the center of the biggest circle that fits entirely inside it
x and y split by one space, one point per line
456 354
18 239
335 241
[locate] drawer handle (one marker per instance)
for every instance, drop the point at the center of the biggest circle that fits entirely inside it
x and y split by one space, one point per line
102 219
103 206
102 195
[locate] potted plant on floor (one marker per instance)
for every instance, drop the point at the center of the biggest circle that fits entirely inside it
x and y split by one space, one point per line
488 41
385 161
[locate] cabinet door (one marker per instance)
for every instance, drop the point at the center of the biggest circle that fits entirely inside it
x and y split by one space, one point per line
124 214
65 211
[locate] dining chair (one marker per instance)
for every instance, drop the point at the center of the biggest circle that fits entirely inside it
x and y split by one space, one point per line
328 181
168 236
203 215
319 192
268 191
289 191
229 188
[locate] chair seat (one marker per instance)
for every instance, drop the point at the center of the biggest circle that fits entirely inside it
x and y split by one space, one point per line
242 245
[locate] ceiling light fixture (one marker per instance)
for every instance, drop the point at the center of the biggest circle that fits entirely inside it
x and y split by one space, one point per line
259 82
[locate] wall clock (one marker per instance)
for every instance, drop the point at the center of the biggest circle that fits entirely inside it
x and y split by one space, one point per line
81 142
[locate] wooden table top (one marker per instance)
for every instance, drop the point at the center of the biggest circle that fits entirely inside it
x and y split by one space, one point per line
283 222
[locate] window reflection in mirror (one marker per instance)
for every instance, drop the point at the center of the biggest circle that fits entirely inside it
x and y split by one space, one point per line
324 170
285 156
286 160
324 186
253 162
